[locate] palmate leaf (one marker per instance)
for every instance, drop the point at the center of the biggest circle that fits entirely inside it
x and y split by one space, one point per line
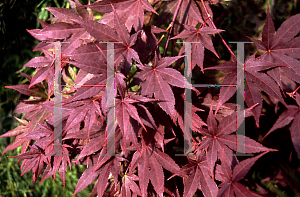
128 109
39 62
124 10
219 137
89 58
44 146
291 114
93 58
44 65
125 109
255 80
59 163
108 165
94 145
281 47
75 42
18 130
73 34
196 174
231 79
45 69
200 39
105 165
64 14
150 161
124 52
99 31
32 91
128 183
230 186
157 79
35 116
87 111
90 88
21 131
67 15
33 160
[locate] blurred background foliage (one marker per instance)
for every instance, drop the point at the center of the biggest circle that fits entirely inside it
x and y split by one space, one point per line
273 177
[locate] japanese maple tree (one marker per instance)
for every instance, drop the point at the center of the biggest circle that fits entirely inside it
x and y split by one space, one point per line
149 100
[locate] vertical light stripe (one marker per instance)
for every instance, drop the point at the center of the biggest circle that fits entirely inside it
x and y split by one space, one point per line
188 99
57 101
110 88
240 99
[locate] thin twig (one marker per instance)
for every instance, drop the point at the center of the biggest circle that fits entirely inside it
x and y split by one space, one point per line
156 46
151 13
171 27
212 22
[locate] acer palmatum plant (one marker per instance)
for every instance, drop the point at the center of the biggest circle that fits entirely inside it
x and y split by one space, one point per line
149 100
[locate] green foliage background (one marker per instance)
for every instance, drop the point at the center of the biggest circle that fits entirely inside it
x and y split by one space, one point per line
239 18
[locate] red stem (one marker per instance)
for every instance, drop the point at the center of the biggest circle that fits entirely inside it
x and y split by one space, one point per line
171 27
212 22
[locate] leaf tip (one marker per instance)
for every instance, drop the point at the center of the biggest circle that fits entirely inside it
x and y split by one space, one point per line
47 8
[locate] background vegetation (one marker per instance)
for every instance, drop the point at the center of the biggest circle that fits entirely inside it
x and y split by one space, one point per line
238 18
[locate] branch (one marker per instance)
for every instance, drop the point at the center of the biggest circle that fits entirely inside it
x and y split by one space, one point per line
171 27
212 22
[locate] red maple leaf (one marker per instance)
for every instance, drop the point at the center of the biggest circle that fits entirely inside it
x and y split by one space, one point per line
255 81
197 176
220 137
292 114
124 8
150 161
199 39
156 80
281 47
231 175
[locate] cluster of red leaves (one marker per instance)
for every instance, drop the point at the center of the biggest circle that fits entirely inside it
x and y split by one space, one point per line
149 100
